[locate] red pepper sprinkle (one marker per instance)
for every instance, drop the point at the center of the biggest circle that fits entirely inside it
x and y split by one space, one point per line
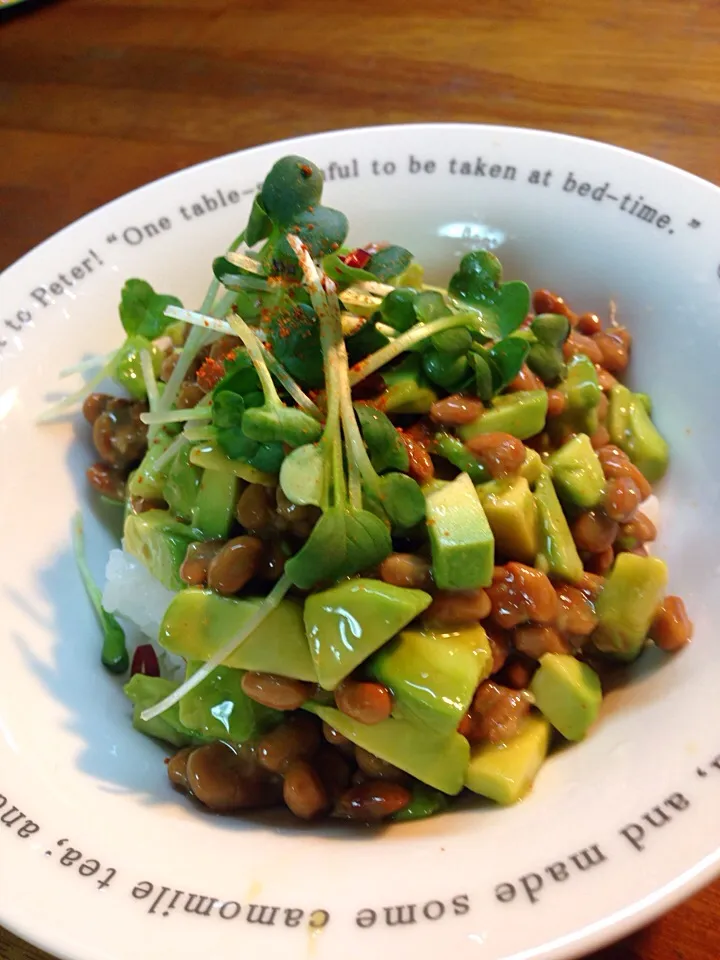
357 258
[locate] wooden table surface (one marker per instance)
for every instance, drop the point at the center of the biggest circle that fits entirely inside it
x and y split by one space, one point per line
100 96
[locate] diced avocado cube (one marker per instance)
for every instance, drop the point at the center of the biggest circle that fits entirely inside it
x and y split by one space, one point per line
577 472
522 414
557 554
433 674
181 487
627 604
218 707
199 622
460 537
440 762
631 428
160 542
512 514
348 622
531 467
568 693
581 388
407 389
214 508
209 456
144 691
425 802
148 481
505 772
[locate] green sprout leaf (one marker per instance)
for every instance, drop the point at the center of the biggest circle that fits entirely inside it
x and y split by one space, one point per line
477 284
292 185
389 262
387 451
142 311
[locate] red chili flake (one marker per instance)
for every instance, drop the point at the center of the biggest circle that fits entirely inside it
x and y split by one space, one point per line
145 661
357 258
210 374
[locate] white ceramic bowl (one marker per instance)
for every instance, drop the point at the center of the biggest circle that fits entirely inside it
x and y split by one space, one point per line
99 859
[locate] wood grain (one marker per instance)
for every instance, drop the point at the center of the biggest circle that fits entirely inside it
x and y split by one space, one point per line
100 96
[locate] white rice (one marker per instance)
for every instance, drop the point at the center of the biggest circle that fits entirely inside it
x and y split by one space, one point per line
139 601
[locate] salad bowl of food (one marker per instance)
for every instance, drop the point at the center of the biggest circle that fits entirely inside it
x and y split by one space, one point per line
359 514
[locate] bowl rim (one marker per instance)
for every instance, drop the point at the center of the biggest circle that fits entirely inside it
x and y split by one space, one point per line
423 126
621 923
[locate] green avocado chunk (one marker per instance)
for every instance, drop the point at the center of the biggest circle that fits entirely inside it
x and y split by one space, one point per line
199 622
460 536
407 389
433 674
218 707
348 622
214 508
148 481
522 414
181 487
627 605
160 542
577 472
631 428
531 467
581 388
144 692
505 772
439 762
512 514
568 693
558 554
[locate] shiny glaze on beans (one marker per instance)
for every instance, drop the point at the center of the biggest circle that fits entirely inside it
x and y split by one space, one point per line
194 568
637 533
376 769
526 380
108 481
225 778
234 565
364 701
456 410
456 607
254 509
616 463
535 640
671 628
594 531
297 739
614 354
406 570
576 615
519 594
578 343
271 690
502 453
337 739
120 437
303 791
589 324
496 712
372 801
545 301
622 499
420 467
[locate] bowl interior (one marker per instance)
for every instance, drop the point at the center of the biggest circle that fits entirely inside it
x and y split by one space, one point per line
65 738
